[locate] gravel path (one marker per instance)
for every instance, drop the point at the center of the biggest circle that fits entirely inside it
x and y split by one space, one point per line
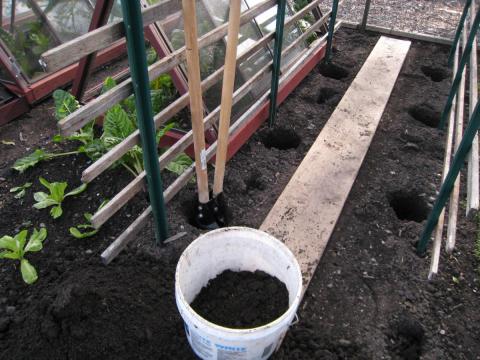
432 17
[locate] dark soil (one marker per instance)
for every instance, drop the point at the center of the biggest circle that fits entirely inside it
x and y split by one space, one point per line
333 71
436 74
368 284
280 138
242 300
425 114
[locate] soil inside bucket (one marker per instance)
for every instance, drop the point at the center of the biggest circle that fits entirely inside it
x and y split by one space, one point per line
242 300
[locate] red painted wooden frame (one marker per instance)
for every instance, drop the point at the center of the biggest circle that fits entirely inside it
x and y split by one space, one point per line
241 137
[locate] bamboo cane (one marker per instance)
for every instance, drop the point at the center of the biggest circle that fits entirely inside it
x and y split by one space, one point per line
227 95
196 103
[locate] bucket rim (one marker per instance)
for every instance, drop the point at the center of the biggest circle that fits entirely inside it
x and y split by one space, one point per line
292 307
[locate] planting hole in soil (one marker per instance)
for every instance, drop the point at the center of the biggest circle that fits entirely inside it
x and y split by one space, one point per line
280 138
409 206
436 74
408 339
333 71
328 95
242 300
425 114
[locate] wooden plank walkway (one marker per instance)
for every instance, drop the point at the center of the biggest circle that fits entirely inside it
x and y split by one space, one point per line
306 212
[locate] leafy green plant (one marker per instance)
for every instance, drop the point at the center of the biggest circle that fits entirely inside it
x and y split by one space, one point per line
34 158
55 197
86 230
14 248
20 190
119 122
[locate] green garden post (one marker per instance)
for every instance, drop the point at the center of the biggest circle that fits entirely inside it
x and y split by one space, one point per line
446 189
277 60
461 66
458 32
331 28
132 17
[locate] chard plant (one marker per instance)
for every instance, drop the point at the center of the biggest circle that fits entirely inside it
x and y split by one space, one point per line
55 196
21 190
119 122
15 248
86 230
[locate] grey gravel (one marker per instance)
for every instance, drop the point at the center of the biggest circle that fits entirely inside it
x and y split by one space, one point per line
431 17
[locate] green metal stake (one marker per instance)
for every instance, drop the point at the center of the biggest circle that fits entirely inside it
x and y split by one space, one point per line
458 76
331 28
277 60
458 32
132 17
447 186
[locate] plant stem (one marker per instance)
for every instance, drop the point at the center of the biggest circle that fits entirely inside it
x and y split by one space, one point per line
129 169
53 155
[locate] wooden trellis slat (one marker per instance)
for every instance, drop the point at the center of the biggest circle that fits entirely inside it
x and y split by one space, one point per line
130 233
136 185
100 105
171 110
473 191
72 51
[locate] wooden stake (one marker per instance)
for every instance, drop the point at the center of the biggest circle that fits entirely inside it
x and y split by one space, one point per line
171 110
437 244
454 197
473 197
227 95
196 102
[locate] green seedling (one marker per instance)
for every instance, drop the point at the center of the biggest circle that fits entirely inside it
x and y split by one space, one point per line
55 197
14 248
20 190
83 231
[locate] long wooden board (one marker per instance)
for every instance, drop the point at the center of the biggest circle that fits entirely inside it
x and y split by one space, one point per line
306 213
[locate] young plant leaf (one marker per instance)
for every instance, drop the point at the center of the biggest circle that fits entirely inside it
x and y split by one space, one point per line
56 196
15 249
56 211
75 230
108 84
30 160
20 239
20 190
77 190
65 104
29 274
8 242
178 165
35 243
8 255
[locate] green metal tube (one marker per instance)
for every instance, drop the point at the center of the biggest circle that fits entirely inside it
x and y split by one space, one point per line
458 76
277 60
447 186
331 28
458 32
132 17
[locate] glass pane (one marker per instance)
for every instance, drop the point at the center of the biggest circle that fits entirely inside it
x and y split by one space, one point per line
267 23
68 18
26 34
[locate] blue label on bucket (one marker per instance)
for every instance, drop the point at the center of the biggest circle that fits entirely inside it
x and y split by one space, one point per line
201 346
230 352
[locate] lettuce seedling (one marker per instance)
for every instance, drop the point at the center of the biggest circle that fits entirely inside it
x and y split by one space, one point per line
20 190
56 196
14 248
76 231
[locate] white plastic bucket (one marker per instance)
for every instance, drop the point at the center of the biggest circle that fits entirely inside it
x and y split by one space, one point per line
237 249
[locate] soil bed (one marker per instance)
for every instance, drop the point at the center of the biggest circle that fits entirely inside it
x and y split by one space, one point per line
369 298
242 300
